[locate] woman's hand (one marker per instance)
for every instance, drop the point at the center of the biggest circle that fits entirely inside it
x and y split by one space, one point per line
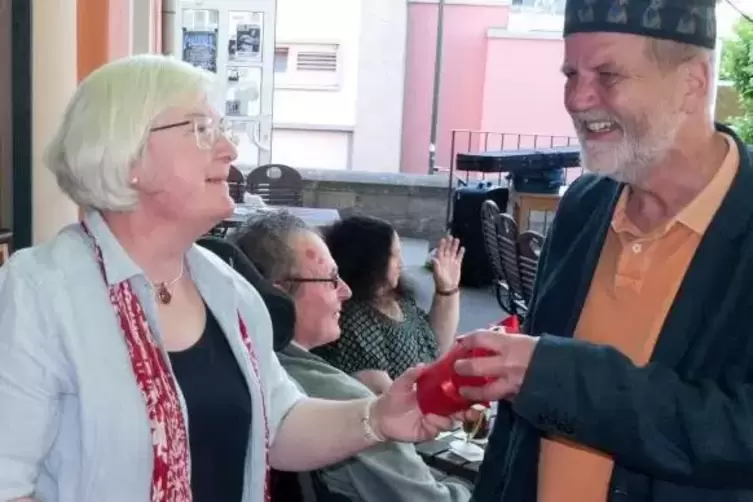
447 263
397 417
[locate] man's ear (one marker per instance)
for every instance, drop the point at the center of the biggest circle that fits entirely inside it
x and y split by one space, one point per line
698 78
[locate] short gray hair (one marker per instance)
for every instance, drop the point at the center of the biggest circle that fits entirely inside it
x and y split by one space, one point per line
266 239
669 55
107 121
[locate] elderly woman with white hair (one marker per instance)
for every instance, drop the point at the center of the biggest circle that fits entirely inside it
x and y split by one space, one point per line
134 365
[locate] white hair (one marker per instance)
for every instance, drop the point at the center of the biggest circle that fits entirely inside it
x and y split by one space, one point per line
105 125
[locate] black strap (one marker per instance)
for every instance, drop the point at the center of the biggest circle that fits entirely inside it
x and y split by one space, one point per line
279 304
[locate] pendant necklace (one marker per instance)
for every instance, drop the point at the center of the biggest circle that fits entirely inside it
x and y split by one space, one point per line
163 289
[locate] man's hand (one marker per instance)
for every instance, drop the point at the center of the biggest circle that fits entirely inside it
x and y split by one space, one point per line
508 368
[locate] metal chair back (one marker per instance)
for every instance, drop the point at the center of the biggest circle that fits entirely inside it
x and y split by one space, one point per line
276 184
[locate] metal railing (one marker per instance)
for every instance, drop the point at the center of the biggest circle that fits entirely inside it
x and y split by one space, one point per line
468 141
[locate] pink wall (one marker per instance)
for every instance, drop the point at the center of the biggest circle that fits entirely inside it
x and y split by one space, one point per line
120 29
520 97
157 26
463 68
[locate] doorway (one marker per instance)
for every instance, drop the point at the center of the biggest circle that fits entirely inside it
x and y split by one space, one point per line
6 115
15 120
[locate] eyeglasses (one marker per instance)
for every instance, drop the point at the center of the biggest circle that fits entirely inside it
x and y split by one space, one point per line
206 130
334 280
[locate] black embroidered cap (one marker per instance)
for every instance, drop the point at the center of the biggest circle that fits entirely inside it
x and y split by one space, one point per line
687 21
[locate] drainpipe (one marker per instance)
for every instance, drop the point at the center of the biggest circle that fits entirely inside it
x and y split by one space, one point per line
169 13
435 96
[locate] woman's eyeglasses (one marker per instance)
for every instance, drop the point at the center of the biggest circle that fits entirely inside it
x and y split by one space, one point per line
207 131
334 280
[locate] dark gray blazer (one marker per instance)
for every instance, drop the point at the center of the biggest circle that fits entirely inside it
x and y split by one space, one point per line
679 429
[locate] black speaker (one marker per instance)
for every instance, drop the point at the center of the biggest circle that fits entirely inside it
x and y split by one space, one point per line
466 226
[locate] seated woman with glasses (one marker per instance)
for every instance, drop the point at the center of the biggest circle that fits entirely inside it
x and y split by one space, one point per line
135 365
294 258
384 331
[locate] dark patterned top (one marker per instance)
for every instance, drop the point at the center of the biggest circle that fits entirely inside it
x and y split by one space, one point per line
371 340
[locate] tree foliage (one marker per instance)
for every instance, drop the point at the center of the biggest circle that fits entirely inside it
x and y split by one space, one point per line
737 66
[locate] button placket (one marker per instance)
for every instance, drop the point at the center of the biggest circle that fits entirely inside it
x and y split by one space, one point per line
631 264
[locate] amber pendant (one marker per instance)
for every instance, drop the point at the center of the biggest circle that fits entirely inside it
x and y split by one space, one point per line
164 294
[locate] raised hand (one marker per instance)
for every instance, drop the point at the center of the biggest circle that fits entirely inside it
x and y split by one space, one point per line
446 264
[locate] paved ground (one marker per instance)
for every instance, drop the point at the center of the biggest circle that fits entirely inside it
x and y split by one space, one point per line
478 307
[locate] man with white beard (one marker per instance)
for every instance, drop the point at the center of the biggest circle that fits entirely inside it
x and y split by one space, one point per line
634 380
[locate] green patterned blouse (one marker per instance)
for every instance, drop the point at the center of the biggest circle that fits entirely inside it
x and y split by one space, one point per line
371 340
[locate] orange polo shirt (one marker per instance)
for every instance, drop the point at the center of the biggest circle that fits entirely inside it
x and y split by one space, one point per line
632 290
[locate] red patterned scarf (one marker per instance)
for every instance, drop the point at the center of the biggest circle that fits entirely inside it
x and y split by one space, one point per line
170 475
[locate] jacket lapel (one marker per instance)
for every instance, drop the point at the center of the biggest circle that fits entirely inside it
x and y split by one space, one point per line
571 266
705 286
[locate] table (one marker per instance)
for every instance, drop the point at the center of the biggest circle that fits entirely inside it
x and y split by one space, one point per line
312 216
436 453
523 204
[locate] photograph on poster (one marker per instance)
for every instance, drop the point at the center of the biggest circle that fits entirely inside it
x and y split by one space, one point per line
200 48
200 37
245 34
243 97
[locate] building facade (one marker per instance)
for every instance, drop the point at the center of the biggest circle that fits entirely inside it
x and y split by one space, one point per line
353 82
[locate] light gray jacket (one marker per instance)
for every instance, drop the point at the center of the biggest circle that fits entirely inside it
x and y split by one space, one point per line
386 472
73 425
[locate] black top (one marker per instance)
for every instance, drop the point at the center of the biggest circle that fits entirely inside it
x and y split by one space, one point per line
219 415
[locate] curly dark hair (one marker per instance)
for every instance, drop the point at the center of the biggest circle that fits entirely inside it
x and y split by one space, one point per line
361 246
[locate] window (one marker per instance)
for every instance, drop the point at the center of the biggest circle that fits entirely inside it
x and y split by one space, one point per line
201 19
537 16
314 66
281 59
543 6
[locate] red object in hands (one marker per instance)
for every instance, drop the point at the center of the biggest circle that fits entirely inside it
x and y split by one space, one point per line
437 386
511 324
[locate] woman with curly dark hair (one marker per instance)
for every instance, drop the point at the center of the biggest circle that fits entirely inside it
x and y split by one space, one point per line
384 331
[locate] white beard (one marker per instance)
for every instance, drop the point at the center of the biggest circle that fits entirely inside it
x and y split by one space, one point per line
631 159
